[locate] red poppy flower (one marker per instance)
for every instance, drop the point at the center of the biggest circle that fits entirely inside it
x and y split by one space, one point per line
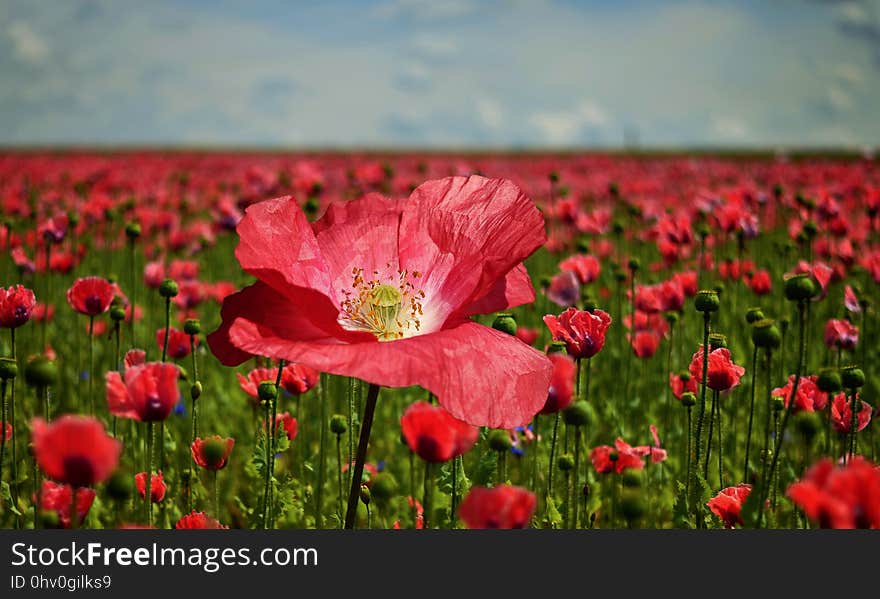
561 392
819 272
154 274
56 498
840 497
434 434
503 506
727 505
414 505
135 357
75 450
8 435
850 301
91 296
583 332
841 413
213 452
43 312
527 335
178 342
383 290
760 282
198 520
809 397
645 344
841 334
681 383
564 289
722 374
688 281
584 266
16 305
296 379
289 424
617 459
157 486
148 392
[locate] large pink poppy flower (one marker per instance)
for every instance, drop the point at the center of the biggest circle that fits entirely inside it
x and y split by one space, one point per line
383 290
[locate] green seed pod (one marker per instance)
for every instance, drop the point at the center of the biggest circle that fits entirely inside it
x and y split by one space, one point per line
717 341
120 486
505 322
577 414
688 399
565 462
168 288
634 264
383 487
590 304
40 372
799 287
777 404
808 425
853 377
583 246
810 229
499 440
338 424
195 391
267 391
117 314
192 326
829 380
311 206
671 318
754 314
556 347
766 334
707 301
133 230
8 369
365 494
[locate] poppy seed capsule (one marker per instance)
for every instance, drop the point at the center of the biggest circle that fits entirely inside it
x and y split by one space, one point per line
766 334
753 315
577 414
133 230
338 425
852 377
8 369
778 404
117 314
505 322
808 425
267 391
565 462
365 494
810 229
688 399
556 347
192 326
214 452
671 318
799 287
40 372
717 341
195 391
499 440
383 486
590 305
634 264
583 246
311 206
829 380
707 301
168 288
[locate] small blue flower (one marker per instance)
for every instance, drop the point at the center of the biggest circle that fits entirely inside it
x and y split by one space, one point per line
180 407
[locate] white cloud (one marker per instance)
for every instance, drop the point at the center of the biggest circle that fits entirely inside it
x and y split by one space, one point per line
490 112
27 45
567 126
730 129
849 74
426 10
838 99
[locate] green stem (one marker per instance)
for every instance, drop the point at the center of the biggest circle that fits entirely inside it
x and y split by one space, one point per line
360 458
552 466
339 473
322 459
454 500
167 326
91 365
148 469
702 413
216 496
426 497
751 412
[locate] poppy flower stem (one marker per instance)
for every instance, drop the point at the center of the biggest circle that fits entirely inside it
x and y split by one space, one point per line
216 497
360 458
712 416
267 474
195 418
454 502
803 306
91 365
2 426
73 515
322 459
132 290
553 442
830 398
148 468
167 327
352 392
702 413
854 423
751 413
426 497
339 473
688 460
575 504
717 399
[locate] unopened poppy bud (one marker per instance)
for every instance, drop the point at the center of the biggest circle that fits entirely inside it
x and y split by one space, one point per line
383 486
852 377
565 462
553 176
499 440
590 304
586 490
40 372
688 399
338 424
778 404
671 318
753 315
195 391
267 391
631 479
365 494
186 476
717 341
8 369
73 218
684 375
133 230
632 506
192 326
120 486
311 206
719 289
707 301
505 322
117 314
577 414
702 230
168 288
634 264
808 424
810 229
556 347
799 287
829 380
766 334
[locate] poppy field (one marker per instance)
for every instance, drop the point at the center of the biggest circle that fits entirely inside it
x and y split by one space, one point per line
415 341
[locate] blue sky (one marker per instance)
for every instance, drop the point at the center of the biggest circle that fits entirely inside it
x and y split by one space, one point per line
435 73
